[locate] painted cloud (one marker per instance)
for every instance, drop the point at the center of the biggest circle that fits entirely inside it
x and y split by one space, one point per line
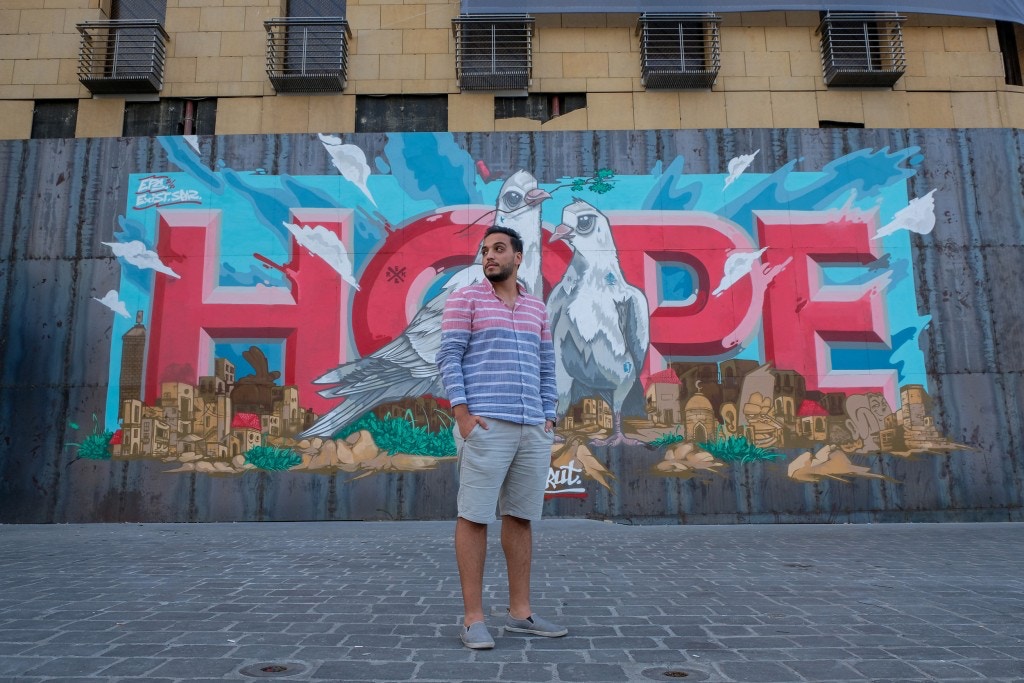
138 255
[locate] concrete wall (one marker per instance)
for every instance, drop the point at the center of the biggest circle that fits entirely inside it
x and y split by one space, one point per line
862 367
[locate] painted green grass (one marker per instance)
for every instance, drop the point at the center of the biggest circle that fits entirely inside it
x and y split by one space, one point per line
272 458
737 449
401 435
95 446
667 439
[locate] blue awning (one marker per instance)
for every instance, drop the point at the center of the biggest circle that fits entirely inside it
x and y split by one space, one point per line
1004 10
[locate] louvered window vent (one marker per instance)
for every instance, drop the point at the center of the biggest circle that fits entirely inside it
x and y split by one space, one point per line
863 49
679 51
307 54
494 52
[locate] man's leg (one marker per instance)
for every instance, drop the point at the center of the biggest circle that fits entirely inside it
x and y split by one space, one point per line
517 542
470 554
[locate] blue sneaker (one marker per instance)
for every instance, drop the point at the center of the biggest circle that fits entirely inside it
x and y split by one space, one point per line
534 625
476 637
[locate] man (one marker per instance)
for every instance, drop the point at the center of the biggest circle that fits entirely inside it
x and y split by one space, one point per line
497 364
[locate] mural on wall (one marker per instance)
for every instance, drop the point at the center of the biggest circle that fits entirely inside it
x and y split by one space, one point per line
277 322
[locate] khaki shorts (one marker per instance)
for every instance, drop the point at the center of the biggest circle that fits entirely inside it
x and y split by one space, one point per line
506 466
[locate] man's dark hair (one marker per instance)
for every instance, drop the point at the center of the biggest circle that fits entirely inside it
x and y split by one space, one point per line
513 236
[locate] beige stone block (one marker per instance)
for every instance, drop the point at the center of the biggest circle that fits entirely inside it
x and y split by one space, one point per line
100 118
73 17
656 109
610 111
624 64
794 109
428 87
16 119
744 39
743 83
607 40
332 114
916 65
376 87
19 47
840 105
16 92
585 65
243 44
195 45
440 67
974 64
191 90
9 19
35 71
789 38
363 17
516 124
404 67
374 42
959 39
810 19
585 20
180 70
41 21
59 91
930 110
925 83
6 71
67 4
240 89
58 45
547 65
578 119
623 20
923 39
1011 103
219 69
794 83
702 109
975 83
559 85
884 109
545 22
67 74
403 16
762 18
748 110
221 18
254 69
255 16
975 110
805 64
285 114
21 4
363 67
428 41
611 84
183 20
441 15
560 40
733 64
471 112
768 64
239 115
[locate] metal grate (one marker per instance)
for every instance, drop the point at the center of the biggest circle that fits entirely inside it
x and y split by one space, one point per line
494 52
679 51
122 56
862 49
307 54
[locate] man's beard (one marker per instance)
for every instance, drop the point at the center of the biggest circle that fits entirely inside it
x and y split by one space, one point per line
504 273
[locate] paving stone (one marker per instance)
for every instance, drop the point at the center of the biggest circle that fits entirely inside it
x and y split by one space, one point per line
756 672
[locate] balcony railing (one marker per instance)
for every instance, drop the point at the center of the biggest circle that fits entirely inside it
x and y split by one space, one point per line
862 49
494 52
307 54
679 51
123 56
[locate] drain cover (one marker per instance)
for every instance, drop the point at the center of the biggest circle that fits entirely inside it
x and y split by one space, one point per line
272 669
674 673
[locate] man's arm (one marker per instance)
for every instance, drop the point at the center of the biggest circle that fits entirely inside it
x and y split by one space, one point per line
456 329
548 385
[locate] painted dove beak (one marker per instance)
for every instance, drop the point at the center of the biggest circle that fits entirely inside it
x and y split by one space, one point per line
536 196
562 232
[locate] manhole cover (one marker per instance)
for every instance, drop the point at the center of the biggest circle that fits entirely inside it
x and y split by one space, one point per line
674 673
272 669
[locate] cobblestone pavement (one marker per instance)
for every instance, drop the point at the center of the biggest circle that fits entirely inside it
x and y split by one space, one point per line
354 601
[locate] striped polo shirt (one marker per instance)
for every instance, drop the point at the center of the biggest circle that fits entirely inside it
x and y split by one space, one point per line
497 360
